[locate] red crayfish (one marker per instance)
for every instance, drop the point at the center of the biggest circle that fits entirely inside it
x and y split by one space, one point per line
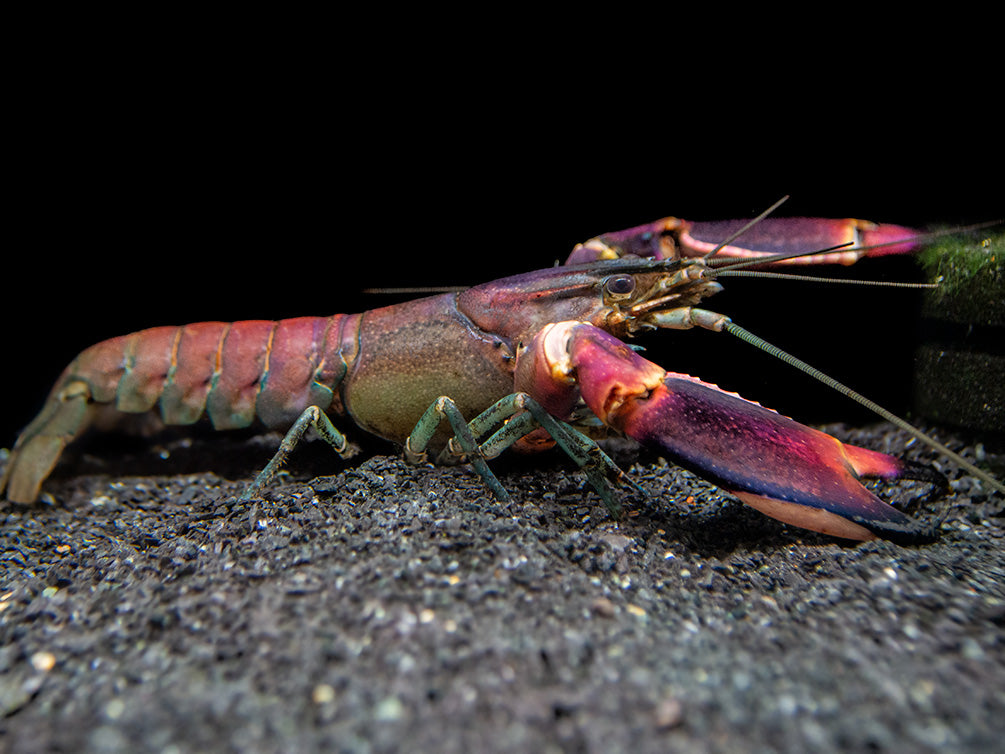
529 359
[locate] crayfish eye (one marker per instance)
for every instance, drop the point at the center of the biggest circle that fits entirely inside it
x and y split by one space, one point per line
619 286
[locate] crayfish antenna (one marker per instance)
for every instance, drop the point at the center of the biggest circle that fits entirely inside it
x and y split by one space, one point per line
733 236
754 340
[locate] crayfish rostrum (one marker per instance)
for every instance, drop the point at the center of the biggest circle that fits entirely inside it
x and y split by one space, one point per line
539 355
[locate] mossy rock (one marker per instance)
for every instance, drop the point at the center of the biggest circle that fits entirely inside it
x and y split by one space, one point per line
970 273
960 363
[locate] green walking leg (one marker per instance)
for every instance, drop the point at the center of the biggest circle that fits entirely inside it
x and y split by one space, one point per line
312 417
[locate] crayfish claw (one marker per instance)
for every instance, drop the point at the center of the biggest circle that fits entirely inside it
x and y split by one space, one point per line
845 525
784 469
921 473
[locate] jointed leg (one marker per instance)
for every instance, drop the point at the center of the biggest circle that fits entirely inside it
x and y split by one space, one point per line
311 417
444 408
520 415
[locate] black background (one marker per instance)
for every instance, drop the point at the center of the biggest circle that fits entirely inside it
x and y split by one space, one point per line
168 192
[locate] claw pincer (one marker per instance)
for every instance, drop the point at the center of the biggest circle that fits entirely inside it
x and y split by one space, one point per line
782 468
673 238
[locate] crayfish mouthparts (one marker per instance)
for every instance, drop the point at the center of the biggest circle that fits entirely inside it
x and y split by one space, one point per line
683 318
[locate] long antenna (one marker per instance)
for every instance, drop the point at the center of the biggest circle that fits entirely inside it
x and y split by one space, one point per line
721 264
818 279
754 340
423 289
746 227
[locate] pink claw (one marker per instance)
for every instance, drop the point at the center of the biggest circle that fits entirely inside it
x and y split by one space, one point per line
670 238
786 470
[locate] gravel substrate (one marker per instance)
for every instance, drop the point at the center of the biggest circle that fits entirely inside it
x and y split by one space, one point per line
394 608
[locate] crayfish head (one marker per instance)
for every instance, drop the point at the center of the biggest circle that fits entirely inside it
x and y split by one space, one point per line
622 296
676 288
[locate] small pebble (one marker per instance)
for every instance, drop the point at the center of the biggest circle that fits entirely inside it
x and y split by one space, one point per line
604 607
323 694
669 713
43 661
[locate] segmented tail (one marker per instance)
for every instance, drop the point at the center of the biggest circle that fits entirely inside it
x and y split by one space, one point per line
232 373
66 414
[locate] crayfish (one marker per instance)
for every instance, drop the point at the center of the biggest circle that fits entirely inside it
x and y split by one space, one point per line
537 358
